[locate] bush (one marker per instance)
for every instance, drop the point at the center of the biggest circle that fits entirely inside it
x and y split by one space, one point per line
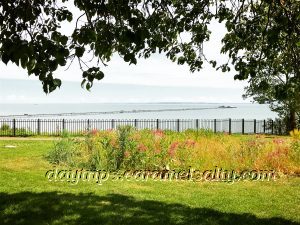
128 148
91 151
64 151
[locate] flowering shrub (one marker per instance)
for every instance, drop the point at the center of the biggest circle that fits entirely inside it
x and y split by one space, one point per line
128 148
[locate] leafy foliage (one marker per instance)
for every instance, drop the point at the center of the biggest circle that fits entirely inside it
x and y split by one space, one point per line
63 151
31 36
262 40
130 149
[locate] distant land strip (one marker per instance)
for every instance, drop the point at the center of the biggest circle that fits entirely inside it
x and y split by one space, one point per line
110 112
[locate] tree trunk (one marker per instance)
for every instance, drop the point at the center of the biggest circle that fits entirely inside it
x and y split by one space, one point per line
292 120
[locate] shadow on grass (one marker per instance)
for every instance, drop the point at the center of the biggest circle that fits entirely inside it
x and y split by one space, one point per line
64 208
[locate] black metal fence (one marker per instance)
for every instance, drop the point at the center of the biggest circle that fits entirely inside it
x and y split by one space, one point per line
55 127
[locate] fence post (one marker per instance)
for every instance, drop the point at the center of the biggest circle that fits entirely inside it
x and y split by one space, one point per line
279 127
254 128
264 126
215 125
136 123
243 126
39 126
14 127
63 125
197 124
157 124
88 125
113 124
178 126
229 123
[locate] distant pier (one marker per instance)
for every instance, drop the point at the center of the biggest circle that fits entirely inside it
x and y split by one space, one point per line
112 112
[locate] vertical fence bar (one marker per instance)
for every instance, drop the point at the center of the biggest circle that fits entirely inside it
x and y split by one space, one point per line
215 125
197 124
113 124
63 125
254 126
14 127
229 124
136 123
157 124
279 127
264 126
39 127
88 125
243 126
178 126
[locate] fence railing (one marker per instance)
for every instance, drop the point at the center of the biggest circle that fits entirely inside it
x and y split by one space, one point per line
55 127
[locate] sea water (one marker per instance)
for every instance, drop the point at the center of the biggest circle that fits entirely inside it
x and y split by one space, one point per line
138 111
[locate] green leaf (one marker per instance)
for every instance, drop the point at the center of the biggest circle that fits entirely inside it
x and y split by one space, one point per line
31 64
79 51
88 86
133 60
83 82
5 58
90 77
64 40
23 62
69 17
213 63
85 74
57 82
51 88
99 75
127 57
53 65
181 60
45 88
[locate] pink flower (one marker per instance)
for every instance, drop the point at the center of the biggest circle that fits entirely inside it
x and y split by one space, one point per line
126 154
94 132
142 148
278 141
157 151
172 149
190 143
158 133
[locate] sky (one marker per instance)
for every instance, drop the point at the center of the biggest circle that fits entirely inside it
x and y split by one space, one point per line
155 79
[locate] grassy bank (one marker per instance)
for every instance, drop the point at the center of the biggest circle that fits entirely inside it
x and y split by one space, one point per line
27 197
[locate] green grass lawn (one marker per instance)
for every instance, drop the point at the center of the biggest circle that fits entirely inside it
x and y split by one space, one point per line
27 197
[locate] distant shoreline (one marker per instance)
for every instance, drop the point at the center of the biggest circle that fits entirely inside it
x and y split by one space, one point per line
148 103
112 112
